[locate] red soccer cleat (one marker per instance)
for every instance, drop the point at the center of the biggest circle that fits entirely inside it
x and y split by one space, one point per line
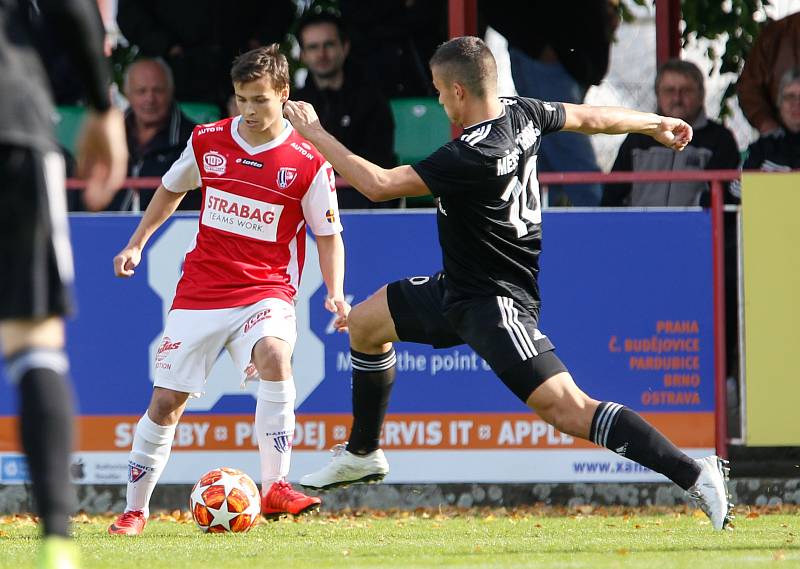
281 499
129 523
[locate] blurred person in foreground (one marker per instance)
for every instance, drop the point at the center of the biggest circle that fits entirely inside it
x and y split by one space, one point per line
35 250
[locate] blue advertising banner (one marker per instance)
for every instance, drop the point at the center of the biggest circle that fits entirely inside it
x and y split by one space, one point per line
626 300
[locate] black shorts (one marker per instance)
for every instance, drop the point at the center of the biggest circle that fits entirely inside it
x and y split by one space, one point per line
36 269
499 329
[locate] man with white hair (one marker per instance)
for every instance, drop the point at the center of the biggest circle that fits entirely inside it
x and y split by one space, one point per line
156 131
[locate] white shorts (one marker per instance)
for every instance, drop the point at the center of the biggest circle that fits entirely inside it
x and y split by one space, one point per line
193 340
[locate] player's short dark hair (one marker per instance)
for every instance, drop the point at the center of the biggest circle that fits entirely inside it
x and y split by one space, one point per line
316 17
469 61
262 62
685 68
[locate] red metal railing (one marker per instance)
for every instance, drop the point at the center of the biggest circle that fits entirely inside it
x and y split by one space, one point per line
715 177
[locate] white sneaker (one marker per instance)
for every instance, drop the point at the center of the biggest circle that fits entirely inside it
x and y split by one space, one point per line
347 468
711 491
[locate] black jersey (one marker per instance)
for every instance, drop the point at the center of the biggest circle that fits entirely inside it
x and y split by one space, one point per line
490 212
26 110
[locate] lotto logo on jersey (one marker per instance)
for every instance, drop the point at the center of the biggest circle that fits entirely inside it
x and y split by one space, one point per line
241 215
214 162
286 176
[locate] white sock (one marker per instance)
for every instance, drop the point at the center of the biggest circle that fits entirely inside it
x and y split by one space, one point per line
149 453
275 428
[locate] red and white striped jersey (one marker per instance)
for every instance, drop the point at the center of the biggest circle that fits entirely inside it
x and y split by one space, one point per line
251 238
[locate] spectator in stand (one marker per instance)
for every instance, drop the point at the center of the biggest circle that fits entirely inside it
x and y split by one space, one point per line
557 58
349 106
156 130
199 38
779 150
680 92
775 51
394 39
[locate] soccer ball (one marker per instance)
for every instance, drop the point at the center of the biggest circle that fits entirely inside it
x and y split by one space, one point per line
225 500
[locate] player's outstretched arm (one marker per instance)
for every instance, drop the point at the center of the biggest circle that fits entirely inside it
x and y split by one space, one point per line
378 184
331 263
163 204
671 132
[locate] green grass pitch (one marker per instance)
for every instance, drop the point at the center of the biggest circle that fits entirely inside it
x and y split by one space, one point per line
588 537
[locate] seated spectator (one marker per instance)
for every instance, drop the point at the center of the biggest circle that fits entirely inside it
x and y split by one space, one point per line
349 107
680 92
779 151
156 129
774 52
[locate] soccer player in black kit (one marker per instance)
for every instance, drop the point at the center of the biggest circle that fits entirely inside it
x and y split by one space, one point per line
489 221
35 253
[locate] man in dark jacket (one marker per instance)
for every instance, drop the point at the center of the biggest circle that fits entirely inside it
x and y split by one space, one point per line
779 151
680 93
349 107
156 130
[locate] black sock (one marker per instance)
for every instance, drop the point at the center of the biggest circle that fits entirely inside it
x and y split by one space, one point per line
46 428
373 377
627 434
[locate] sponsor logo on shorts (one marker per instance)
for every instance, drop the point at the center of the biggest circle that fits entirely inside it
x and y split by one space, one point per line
167 346
241 215
137 471
164 350
286 176
258 317
251 163
214 162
